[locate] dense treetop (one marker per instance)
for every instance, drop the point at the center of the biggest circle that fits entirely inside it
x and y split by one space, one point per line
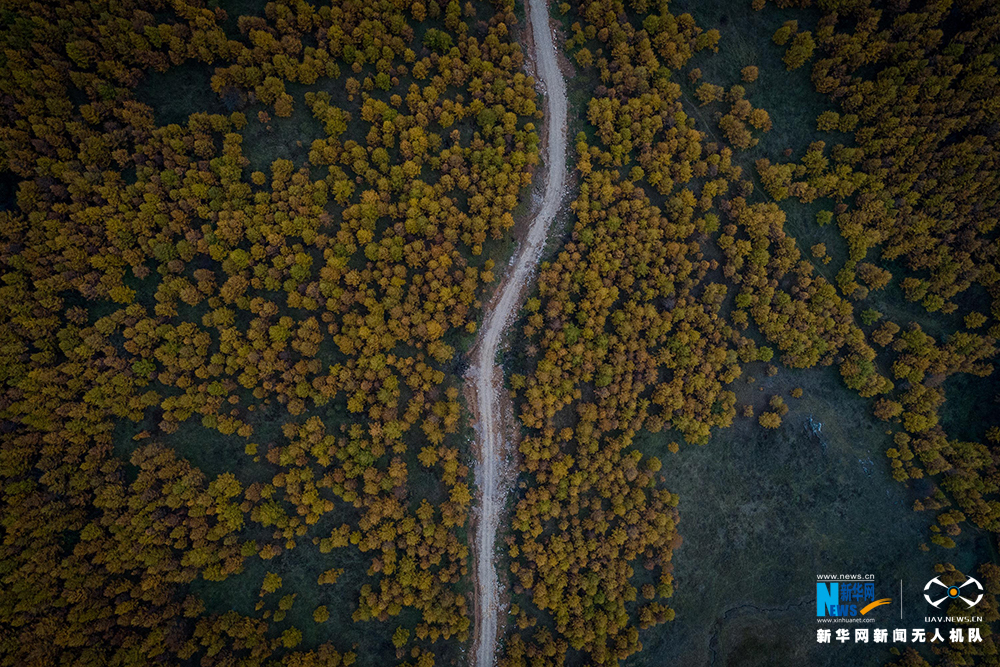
310 310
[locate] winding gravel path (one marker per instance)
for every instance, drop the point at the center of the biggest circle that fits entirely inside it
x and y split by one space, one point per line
487 376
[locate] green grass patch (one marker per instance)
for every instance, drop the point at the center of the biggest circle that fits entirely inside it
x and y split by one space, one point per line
893 304
972 406
299 569
206 449
788 96
179 92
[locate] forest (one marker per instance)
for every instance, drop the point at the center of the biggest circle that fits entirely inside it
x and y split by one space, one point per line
246 249
311 311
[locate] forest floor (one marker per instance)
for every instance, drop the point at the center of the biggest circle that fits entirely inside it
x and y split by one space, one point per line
493 476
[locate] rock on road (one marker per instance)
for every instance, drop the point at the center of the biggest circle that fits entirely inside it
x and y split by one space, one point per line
486 375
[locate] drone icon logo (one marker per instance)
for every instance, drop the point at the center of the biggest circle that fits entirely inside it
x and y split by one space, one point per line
954 592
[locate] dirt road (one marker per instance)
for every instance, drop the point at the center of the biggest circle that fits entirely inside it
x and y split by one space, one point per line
486 375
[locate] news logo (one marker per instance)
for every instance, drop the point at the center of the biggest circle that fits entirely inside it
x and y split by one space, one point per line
845 598
953 592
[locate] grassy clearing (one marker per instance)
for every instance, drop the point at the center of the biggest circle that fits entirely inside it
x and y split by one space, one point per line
8 191
746 40
972 406
208 450
283 138
179 92
892 303
235 9
764 512
788 97
186 89
299 570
